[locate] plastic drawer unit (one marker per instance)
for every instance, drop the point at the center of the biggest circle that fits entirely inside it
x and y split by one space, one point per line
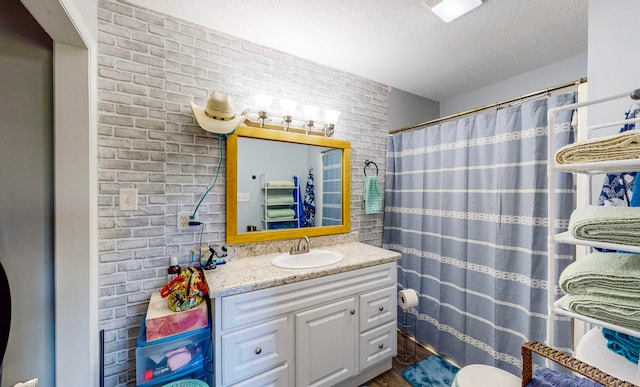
184 356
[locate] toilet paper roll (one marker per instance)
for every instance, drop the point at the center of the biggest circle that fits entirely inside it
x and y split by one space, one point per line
407 298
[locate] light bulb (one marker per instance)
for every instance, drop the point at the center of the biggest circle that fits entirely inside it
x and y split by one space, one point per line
263 102
288 107
310 112
331 116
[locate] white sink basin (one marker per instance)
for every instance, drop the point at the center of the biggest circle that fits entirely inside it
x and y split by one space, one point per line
314 258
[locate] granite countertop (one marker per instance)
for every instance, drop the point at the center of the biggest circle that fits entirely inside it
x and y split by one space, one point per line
244 274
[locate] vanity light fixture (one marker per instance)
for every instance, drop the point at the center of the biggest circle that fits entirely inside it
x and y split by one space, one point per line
288 108
310 114
331 118
257 117
449 10
263 103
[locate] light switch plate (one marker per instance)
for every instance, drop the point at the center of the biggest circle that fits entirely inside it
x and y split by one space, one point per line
243 197
128 199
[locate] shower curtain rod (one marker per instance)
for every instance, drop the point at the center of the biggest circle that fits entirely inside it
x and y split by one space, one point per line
475 110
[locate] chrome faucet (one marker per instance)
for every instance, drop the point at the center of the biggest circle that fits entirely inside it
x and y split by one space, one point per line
303 246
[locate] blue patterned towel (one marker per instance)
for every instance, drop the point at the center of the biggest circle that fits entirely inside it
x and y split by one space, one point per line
309 201
544 377
297 196
635 199
617 187
622 344
372 195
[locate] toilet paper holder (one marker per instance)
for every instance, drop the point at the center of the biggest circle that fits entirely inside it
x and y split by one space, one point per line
407 325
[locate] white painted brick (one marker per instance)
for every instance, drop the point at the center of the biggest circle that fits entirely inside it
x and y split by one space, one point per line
114 164
129 88
149 60
106 176
154 284
111 142
157 30
104 107
148 102
129 22
158 53
114 51
133 45
149 146
149 17
145 37
148 166
179 37
148 81
107 73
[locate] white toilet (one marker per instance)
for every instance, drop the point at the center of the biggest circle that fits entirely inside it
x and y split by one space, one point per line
480 375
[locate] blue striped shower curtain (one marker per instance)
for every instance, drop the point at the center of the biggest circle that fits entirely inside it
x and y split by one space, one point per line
466 206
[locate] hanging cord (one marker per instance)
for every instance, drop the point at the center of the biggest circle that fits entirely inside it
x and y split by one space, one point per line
192 216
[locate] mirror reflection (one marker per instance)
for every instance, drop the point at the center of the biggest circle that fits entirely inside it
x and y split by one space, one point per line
291 185
286 186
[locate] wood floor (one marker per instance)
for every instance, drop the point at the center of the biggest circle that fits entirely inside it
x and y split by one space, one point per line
393 377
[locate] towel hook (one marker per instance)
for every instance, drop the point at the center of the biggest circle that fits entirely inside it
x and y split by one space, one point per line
366 164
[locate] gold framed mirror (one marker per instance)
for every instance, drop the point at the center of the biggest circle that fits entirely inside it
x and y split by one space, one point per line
269 173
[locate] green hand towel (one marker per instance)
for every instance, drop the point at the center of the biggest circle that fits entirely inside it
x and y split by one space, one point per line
372 195
280 199
276 213
606 224
603 274
625 313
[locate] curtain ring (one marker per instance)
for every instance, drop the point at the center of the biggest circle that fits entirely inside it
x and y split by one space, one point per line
366 164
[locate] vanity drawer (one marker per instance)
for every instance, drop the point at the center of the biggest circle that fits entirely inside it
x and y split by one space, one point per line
252 307
377 308
251 351
377 345
278 377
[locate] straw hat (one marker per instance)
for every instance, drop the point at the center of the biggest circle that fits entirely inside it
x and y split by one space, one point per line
218 115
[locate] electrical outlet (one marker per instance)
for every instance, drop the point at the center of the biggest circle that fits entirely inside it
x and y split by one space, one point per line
243 196
184 218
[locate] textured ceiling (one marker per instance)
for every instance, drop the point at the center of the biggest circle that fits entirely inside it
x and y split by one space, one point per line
401 43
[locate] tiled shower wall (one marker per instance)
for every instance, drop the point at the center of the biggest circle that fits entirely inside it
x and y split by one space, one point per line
151 66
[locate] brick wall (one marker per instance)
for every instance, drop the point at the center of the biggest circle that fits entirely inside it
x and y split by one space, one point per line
151 66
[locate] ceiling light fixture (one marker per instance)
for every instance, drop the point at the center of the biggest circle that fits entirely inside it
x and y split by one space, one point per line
448 10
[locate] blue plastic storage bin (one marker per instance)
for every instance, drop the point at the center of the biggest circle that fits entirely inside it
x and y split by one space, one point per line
152 368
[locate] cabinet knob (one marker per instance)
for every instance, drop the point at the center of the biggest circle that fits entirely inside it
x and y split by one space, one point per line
258 350
380 346
381 308
353 311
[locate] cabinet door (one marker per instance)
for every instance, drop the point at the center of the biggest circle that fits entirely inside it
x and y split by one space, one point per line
326 344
